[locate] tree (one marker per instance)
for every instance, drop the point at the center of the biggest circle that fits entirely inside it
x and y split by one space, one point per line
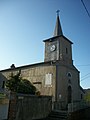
19 85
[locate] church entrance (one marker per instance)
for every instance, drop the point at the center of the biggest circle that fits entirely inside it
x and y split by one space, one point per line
69 94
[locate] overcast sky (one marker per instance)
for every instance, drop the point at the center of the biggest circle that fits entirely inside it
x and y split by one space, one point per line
24 24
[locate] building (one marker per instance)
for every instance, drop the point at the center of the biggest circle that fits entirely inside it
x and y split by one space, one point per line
56 76
2 83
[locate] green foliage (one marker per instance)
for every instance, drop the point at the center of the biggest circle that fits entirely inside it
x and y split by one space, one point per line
19 85
26 87
87 97
2 95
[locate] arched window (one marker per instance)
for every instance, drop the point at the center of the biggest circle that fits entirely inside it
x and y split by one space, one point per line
69 74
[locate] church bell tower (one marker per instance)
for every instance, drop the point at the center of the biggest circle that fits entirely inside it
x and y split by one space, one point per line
58 47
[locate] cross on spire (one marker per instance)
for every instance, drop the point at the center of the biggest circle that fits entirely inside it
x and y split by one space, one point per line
57 12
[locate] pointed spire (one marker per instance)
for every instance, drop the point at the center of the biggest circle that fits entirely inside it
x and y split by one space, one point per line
58 29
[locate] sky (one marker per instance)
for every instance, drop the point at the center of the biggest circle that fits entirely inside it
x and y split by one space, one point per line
24 24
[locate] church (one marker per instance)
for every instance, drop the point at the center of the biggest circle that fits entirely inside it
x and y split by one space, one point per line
56 76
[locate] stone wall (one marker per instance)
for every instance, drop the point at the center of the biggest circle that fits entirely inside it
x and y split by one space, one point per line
27 107
37 76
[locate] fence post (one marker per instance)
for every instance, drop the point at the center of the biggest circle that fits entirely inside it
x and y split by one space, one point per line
12 106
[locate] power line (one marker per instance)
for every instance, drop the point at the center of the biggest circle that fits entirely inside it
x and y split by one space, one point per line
85 78
85 8
85 75
84 65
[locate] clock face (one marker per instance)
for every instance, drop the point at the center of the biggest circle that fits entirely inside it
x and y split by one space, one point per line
52 48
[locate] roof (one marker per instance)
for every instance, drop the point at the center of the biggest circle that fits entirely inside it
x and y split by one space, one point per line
54 38
28 66
82 89
48 63
58 28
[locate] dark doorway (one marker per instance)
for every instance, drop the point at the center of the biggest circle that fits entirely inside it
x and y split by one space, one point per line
69 94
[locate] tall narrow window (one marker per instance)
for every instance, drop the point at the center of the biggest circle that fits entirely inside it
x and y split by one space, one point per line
3 84
66 51
81 96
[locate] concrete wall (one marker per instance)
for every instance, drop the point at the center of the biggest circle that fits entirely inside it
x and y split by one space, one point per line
4 105
28 107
